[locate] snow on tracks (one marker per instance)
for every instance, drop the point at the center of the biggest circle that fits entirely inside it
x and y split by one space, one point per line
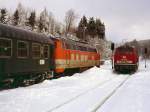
92 99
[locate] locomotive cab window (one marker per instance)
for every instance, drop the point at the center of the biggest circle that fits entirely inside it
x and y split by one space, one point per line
5 48
36 48
46 51
22 49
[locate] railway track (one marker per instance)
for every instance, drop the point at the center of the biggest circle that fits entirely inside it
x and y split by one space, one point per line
92 90
99 104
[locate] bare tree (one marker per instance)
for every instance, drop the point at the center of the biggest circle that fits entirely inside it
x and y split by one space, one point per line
69 20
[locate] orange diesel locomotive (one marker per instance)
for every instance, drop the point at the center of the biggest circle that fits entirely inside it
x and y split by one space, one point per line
72 55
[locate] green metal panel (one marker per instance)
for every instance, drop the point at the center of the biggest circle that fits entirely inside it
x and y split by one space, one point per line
2 66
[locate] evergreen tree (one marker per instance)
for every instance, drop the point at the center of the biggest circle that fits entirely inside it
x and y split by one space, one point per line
51 23
44 21
91 27
31 20
16 18
84 19
100 30
58 28
82 28
79 32
41 24
3 16
23 16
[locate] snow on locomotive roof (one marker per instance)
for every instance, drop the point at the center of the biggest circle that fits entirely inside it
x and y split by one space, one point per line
75 42
15 32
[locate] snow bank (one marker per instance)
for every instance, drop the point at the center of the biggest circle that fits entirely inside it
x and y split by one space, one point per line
51 93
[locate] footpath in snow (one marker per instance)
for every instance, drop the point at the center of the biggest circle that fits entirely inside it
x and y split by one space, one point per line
83 92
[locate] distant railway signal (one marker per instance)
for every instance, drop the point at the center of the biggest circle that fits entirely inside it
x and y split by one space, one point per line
112 46
145 53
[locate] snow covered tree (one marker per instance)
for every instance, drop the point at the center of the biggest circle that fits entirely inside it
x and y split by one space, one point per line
43 21
82 28
16 18
58 28
3 17
9 18
84 21
100 29
51 23
91 27
79 32
22 15
32 20
40 25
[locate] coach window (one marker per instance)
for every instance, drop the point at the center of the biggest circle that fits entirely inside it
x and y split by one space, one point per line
5 48
36 50
22 49
46 51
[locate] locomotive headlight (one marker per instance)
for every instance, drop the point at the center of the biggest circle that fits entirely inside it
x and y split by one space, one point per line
118 61
130 61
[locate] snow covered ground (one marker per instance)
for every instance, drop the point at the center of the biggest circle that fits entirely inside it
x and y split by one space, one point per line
83 92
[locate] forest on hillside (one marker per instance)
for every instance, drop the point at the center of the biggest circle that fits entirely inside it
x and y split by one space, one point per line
45 22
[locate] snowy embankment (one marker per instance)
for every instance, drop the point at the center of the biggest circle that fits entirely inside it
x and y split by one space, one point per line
83 92
52 93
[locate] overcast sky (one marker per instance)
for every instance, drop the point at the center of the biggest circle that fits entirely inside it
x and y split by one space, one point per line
124 19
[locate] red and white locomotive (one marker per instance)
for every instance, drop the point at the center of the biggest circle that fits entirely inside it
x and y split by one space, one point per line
125 58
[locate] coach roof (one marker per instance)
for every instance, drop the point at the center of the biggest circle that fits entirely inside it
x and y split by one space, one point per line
22 34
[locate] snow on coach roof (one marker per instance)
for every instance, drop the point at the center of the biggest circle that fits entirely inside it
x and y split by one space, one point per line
18 33
74 42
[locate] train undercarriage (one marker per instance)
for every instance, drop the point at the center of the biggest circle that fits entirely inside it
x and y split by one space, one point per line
8 81
25 79
125 68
